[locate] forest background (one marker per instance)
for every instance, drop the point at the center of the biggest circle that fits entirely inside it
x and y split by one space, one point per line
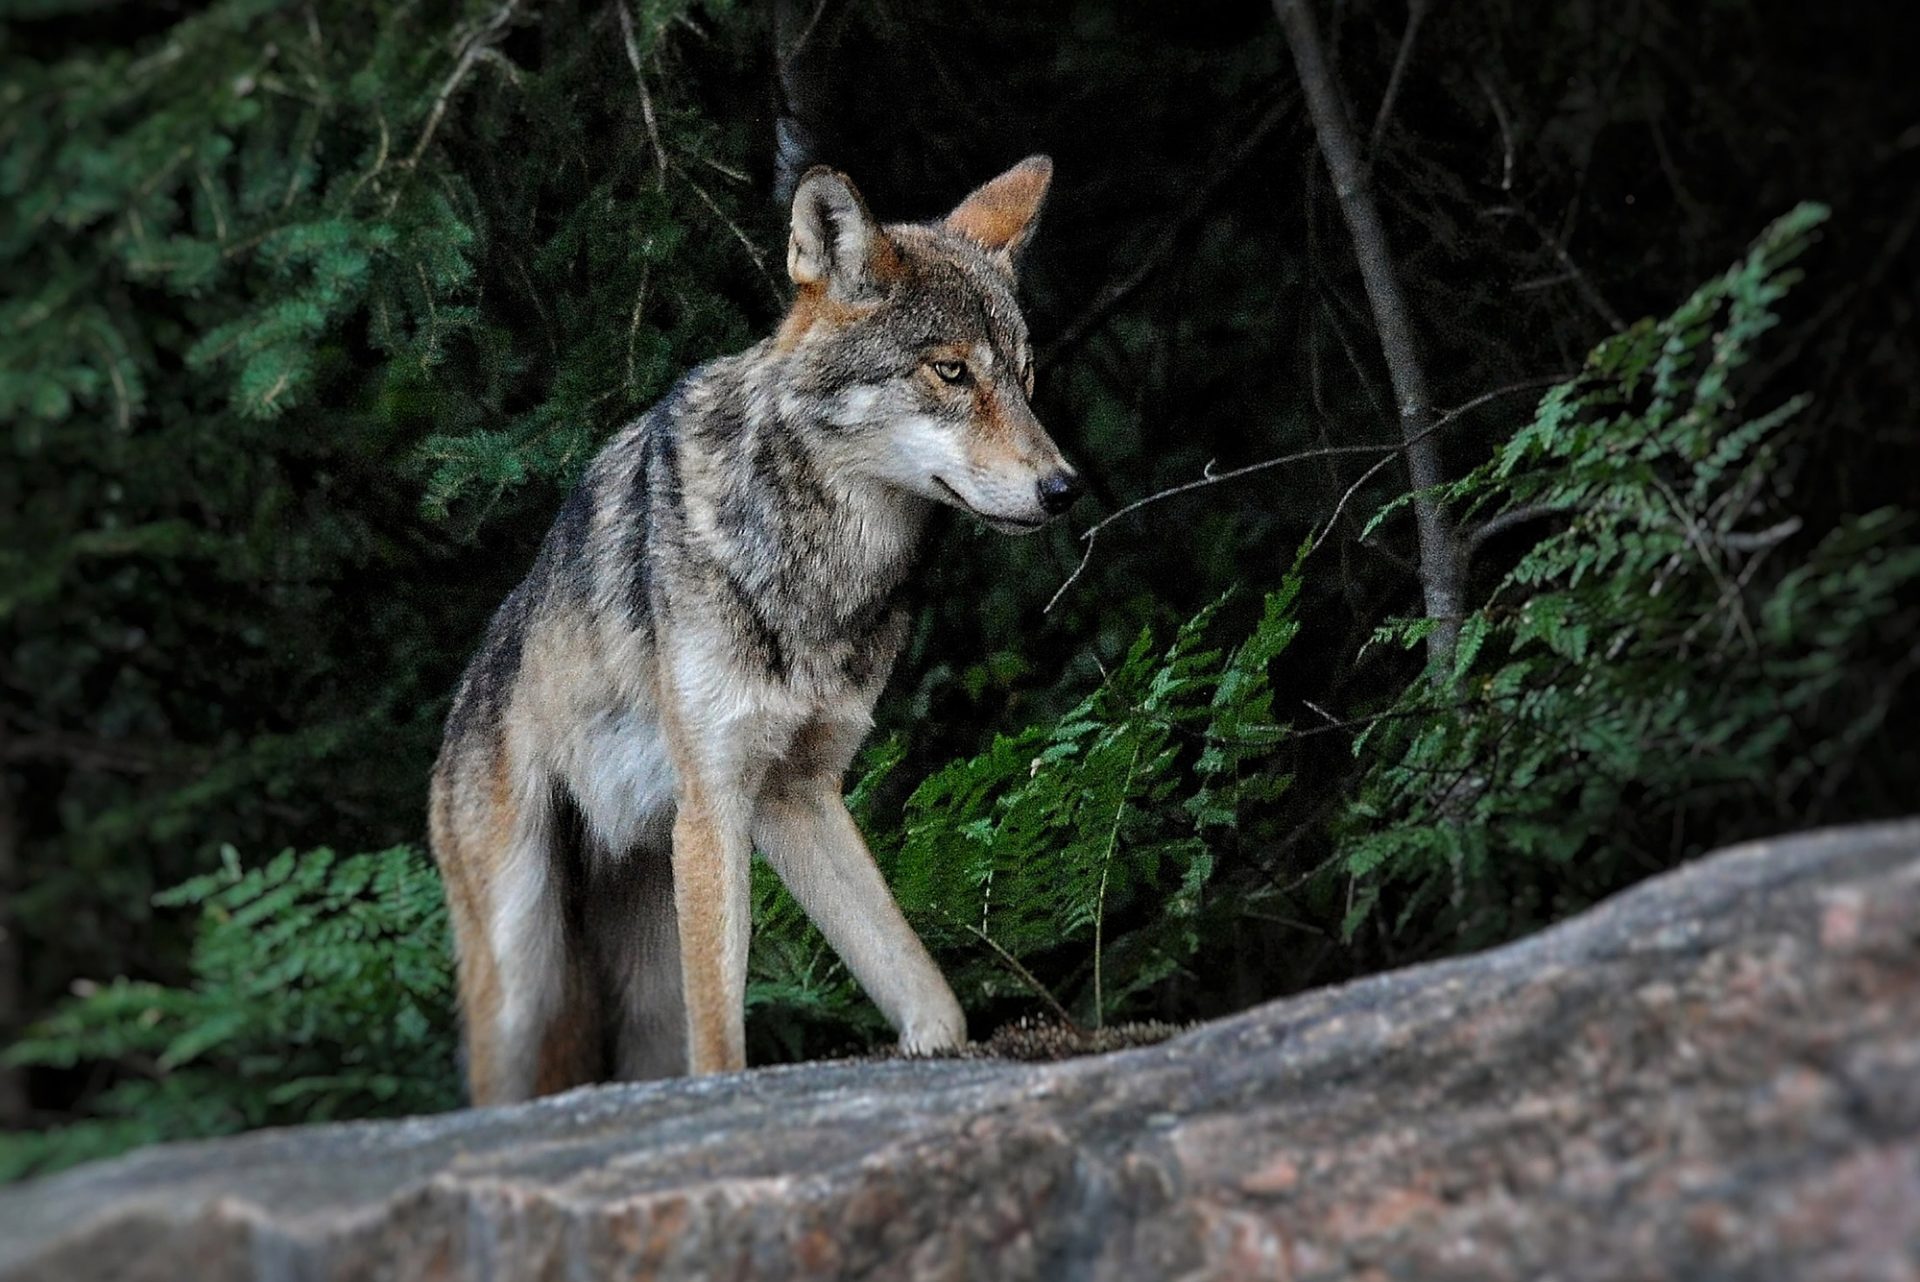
1522 514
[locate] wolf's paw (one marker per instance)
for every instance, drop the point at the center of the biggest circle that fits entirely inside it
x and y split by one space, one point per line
935 1031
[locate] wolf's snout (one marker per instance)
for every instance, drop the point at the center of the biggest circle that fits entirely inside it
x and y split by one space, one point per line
1058 490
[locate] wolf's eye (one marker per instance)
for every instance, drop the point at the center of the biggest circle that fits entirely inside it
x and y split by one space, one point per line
950 371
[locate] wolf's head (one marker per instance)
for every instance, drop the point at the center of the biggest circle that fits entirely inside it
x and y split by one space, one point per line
906 345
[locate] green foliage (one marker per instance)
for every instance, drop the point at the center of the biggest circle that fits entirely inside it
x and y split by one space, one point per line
1654 657
1068 863
322 989
1052 835
299 299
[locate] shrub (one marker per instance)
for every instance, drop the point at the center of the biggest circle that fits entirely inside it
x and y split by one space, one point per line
1677 648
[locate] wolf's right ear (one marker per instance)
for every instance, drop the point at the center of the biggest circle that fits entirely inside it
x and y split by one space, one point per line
835 241
999 216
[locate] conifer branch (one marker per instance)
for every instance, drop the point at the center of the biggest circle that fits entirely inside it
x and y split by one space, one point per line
746 241
469 54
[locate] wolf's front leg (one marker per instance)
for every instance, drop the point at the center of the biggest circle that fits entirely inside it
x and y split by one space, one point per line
719 760
804 830
712 900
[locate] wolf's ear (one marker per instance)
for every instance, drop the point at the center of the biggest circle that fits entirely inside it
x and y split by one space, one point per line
1000 215
835 241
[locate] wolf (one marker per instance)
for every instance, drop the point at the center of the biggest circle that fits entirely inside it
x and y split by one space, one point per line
690 665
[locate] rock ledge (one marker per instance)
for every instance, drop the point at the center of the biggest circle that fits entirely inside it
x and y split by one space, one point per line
1716 1074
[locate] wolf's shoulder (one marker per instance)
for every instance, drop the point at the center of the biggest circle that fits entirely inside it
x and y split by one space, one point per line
712 390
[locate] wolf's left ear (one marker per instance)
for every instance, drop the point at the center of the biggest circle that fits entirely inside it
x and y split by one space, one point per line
835 241
1001 215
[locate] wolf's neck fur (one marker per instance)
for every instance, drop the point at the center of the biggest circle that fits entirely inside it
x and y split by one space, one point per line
801 531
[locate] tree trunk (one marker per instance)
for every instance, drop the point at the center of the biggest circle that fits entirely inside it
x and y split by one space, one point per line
1441 564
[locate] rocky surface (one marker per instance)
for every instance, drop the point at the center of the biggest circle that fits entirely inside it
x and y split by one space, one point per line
1716 1075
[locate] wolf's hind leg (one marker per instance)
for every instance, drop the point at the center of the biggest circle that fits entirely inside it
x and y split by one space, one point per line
532 1025
634 922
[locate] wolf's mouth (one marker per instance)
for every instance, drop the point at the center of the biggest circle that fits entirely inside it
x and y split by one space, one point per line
1008 524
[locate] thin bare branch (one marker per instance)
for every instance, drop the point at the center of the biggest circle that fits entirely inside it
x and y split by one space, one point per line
1436 425
1209 477
1416 11
746 241
646 98
1506 129
1012 963
633 329
1504 521
1759 540
1555 246
1333 521
792 49
477 40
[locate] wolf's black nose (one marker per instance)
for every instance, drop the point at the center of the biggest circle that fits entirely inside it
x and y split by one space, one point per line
1059 490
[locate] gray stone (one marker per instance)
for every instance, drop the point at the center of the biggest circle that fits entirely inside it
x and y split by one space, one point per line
1714 1075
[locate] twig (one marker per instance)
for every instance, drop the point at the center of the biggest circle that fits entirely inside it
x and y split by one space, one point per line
1432 427
213 203
123 406
633 326
753 250
481 37
379 157
1759 540
1695 213
1506 129
728 170
1361 375
1206 478
1504 521
646 99
1416 10
1340 507
799 42
1100 905
1588 290
1210 477
1697 539
1026 976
